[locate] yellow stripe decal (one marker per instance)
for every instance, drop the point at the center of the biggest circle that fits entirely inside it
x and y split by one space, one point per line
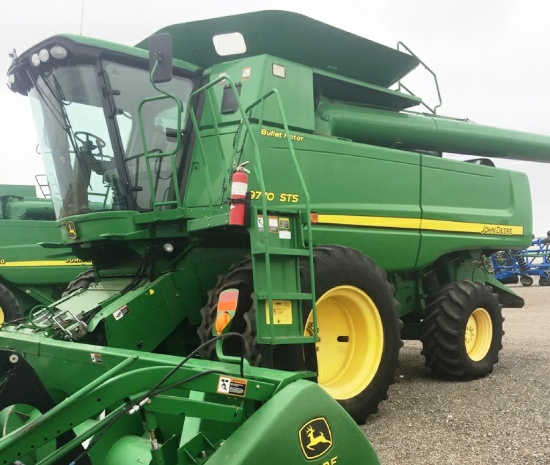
421 224
31 263
372 221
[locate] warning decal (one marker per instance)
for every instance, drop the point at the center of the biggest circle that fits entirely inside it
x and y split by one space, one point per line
232 386
282 312
121 312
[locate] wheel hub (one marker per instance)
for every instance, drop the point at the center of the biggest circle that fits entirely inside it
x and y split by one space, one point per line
478 334
351 341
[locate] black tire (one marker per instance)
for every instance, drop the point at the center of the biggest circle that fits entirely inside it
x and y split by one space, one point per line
544 280
334 267
9 306
526 280
462 332
344 269
82 281
514 279
239 276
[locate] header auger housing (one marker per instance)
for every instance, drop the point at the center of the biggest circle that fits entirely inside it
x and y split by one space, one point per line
357 233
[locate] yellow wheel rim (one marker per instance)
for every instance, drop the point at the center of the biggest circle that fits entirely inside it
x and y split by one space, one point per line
351 342
1 317
479 334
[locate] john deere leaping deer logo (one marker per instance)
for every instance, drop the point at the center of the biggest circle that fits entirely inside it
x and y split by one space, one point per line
315 438
71 230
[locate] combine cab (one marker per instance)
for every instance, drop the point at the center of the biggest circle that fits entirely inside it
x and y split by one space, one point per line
253 187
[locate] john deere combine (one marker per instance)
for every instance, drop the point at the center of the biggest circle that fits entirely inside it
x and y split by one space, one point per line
31 276
254 188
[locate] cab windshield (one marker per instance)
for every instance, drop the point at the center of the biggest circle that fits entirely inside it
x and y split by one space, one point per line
87 120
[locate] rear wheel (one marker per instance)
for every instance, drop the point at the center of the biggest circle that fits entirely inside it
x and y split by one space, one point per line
462 332
358 325
9 306
544 280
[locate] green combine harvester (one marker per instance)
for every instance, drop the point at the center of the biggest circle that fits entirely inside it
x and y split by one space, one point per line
263 211
31 276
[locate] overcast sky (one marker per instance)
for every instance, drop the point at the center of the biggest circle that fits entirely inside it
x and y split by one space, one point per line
490 56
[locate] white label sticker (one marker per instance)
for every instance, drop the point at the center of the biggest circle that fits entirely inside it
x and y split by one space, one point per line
120 313
239 188
96 358
223 385
285 235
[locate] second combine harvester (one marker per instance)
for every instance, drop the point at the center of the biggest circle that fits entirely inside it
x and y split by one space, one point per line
274 163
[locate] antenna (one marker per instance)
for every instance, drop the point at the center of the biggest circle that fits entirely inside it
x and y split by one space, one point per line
81 17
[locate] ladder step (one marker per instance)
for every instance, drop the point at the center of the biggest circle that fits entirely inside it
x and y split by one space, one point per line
260 250
158 155
285 296
287 340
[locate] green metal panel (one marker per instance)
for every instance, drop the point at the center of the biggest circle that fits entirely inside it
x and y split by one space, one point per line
19 190
348 180
292 37
199 191
296 90
34 274
24 261
112 225
273 433
484 196
101 379
147 315
256 77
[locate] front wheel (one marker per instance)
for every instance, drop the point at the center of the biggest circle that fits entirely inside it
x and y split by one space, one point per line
462 332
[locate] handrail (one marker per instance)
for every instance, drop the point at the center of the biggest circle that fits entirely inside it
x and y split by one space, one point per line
259 175
172 154
303 185
196 128
401 85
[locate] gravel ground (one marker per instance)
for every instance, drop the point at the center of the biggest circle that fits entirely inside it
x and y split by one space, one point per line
501 419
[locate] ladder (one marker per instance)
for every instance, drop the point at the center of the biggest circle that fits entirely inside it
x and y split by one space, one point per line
280 238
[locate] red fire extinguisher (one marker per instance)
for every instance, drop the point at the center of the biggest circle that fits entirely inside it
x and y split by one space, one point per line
238 199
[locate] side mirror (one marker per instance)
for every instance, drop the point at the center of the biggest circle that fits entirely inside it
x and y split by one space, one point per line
160 54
